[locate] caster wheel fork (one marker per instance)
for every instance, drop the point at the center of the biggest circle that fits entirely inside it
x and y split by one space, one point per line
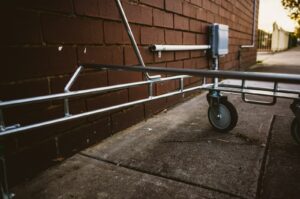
222 115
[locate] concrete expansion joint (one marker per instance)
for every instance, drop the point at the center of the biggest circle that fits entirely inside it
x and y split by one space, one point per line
118 164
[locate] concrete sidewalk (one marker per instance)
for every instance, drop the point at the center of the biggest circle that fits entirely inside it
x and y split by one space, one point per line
173 155
282 62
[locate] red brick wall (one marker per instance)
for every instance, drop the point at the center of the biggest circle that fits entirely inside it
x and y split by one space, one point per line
90 31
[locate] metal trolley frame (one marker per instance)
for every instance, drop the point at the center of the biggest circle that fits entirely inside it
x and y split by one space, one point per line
222 114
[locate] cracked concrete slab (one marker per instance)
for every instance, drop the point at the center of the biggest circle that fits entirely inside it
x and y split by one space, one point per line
282 172
181 145
83 177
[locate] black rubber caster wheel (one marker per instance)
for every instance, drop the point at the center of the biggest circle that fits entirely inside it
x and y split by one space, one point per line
223 117
295 130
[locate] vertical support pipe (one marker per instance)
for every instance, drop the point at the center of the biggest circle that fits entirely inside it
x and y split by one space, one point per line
2 124
216 67
181 84
253 27
132 39
67 89
253 35
151 90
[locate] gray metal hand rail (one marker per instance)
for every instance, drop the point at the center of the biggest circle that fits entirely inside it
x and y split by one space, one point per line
183 73
266 77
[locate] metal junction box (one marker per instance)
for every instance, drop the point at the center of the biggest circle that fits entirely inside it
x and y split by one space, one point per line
219 39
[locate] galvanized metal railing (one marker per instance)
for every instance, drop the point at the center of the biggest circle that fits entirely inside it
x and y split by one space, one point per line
276 92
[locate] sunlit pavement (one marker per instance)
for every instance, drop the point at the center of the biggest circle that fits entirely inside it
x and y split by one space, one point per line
282 62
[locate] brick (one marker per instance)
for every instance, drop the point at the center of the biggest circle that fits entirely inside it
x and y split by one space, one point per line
154 3
101 130
191 63
202 14
151 35
22 27
34 113
82 137
176 64
127 118
197 2
189 38
173 100
214 8
210 17
198 53
174 6
91 80
165 56
138 13
181 23
154 107
9 144
201 39
206 5
36 62
165 87
162 19
70 30
64 6
108 9
161 64
115 33
27 163
121 77
182 55
131 58
87 8
84 81
190 10
107 100
39 135
195 26
137 93
205 28
112 55
173 37
24 89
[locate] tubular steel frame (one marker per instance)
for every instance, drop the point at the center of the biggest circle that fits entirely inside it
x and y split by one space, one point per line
276 92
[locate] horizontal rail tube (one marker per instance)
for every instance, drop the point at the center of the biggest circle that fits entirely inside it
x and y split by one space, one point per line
90 113
158 48
282 90
266 77
255 92
82 93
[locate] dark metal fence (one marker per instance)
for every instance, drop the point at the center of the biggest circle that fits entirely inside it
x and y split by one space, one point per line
264 41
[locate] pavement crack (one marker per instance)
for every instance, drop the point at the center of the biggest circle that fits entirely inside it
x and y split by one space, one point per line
119 164
264 161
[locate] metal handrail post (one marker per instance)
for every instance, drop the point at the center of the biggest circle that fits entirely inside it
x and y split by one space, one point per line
2 124
216 68
132 39
67 90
